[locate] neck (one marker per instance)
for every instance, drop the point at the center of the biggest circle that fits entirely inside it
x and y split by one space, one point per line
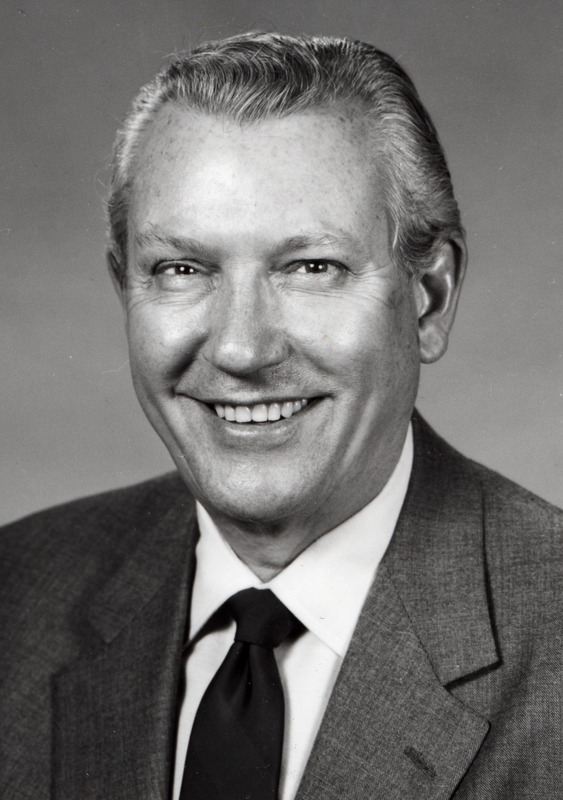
265 548
268 547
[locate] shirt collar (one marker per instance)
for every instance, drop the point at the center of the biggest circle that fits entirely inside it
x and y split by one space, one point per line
326 585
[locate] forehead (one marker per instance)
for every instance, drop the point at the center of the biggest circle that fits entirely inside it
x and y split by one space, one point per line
317 164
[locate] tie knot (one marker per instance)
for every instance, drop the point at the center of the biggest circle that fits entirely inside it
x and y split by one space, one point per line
261 618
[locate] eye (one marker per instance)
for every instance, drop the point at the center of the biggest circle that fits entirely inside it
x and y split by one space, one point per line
318 266
178 276
175 268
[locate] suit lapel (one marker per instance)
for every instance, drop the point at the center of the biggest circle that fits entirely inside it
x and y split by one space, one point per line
115 710
437 562
391 728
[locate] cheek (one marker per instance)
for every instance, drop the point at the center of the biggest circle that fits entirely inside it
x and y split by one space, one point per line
358 337
160 344
327 330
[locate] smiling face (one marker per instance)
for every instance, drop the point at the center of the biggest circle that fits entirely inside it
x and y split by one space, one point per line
273 343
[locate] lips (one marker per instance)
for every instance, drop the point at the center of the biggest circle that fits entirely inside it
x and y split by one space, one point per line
259 412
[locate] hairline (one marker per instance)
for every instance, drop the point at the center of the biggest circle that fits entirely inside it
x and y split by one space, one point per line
415 184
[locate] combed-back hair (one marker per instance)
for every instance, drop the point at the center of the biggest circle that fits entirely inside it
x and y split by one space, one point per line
259 75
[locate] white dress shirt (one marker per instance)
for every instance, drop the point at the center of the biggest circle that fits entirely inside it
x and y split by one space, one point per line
325 587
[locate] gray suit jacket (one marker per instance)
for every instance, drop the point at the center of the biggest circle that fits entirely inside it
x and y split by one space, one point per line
452 686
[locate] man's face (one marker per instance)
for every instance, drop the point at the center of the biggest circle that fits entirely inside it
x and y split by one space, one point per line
259 278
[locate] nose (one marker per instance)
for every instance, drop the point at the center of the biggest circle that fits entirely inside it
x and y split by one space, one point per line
245 334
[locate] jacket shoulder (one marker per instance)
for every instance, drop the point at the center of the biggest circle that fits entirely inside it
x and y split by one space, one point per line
520 536
63 549
517 522
506 504
63 572
118 507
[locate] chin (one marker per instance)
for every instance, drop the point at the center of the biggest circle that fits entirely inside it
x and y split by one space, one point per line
252 503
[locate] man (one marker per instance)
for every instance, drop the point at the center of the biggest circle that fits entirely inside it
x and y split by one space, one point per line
287 249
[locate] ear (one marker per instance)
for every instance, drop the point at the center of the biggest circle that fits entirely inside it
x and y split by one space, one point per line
116 274
437 291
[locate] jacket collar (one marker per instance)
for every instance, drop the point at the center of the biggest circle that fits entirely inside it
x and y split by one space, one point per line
115 709
391 728
125 594
436 559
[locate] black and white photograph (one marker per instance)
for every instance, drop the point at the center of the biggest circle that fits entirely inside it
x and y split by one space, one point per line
282 400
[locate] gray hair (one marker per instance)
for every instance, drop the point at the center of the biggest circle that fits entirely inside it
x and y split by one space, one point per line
260 75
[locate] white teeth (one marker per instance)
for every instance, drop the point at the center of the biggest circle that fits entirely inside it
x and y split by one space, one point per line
261 412
287 410
243 414
274 412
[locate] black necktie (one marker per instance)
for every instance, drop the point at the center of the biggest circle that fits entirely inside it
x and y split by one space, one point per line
236 741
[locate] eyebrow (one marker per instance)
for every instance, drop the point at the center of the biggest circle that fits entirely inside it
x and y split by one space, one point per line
154 236
303 241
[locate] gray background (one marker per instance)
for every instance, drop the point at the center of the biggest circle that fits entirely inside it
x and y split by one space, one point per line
491 74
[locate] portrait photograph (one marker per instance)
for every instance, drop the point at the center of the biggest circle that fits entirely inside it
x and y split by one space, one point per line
282 402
